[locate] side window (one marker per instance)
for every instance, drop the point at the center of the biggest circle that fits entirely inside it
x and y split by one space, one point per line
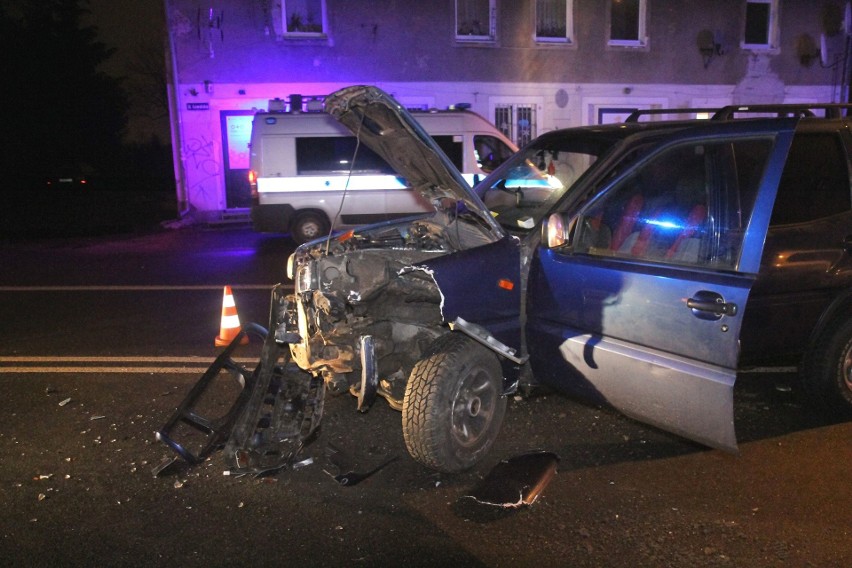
304 18
476 20
554 21
490 152
452 147
761 25
688 205
334 154
627 23
815 180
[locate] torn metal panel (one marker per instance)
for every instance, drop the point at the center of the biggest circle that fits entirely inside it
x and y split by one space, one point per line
517 481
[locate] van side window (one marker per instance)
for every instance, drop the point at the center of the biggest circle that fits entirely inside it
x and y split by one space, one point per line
815 180
333 154
452 147
689 205
490 152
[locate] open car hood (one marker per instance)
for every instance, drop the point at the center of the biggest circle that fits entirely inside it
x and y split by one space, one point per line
390 131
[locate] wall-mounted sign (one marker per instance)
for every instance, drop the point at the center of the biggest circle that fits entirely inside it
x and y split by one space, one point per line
197 106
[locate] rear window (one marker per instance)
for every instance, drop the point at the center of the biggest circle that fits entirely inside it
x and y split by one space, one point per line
815 181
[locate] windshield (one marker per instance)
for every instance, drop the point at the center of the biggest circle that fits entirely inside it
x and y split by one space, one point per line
522 191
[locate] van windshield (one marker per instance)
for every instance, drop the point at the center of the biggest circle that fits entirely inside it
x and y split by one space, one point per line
521 192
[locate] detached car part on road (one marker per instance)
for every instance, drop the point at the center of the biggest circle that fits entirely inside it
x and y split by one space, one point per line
622 263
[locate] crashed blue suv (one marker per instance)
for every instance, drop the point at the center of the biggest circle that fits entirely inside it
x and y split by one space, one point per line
638 265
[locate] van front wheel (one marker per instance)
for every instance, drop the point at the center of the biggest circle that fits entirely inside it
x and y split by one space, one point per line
309 226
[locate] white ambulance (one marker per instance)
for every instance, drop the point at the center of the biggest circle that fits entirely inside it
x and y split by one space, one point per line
309 175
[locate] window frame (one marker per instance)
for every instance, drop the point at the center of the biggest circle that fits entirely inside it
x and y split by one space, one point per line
568 38
491 37
773 31
305 34
641 25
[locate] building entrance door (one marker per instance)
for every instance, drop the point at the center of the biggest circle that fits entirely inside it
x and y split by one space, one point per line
236 134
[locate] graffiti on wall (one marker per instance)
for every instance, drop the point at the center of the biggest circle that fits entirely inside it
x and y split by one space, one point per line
203 171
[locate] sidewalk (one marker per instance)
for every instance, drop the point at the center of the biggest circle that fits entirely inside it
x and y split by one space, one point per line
79 213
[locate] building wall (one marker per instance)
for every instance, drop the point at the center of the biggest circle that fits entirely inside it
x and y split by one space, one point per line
234 56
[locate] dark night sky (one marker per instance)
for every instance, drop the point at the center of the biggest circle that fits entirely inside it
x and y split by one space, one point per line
131 27
125 24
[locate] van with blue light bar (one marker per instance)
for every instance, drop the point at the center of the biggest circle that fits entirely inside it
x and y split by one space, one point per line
309 175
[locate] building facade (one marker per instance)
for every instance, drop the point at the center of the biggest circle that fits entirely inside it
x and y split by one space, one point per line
529 66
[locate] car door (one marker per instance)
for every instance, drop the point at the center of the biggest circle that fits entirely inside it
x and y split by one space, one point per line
641 308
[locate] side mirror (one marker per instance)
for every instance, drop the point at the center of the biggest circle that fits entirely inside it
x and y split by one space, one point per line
556 230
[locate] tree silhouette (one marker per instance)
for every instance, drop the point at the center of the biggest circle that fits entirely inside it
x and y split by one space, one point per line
59 110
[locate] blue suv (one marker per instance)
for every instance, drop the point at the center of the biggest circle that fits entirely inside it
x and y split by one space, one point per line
638 265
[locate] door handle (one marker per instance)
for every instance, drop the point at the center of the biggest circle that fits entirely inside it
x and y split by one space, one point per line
710 305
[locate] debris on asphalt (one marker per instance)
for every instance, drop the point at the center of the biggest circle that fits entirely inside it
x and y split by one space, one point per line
348 477
517 481
304 463
64 402
163 466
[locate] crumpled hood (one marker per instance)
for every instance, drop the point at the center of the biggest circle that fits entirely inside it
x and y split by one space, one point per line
388 129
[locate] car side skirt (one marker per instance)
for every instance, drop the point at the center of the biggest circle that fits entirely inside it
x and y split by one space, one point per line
685 397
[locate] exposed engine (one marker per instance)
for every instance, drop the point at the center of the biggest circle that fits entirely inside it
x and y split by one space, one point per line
370 284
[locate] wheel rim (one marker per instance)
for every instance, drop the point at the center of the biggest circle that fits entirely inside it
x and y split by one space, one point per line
473 408
846 367
310 230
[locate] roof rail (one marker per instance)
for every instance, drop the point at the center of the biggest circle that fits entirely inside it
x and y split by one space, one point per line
804 110
634 116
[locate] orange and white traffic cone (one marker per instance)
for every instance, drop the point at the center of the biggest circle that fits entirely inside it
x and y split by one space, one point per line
230 326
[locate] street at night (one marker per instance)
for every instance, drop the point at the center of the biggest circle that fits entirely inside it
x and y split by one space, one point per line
102 337
570 283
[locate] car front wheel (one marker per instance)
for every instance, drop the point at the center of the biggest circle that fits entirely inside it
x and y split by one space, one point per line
453 405
827 376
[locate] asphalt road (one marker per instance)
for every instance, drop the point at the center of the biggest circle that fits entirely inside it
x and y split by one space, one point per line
101 337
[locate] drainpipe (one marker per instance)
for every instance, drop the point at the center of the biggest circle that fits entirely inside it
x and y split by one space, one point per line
175 123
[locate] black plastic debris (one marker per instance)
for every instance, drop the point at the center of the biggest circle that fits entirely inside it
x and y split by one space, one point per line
204 434
517 481
348 476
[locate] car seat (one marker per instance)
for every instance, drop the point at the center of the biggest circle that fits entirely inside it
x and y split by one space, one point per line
629 217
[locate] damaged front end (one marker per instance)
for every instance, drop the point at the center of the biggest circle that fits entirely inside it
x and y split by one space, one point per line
366 306
423 312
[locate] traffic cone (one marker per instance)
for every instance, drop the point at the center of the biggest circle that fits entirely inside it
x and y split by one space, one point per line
230 326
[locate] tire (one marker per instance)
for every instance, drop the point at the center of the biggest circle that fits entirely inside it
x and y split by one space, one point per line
309 226
827 372
453 405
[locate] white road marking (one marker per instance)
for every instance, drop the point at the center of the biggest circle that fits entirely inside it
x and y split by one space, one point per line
135 288
193 365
